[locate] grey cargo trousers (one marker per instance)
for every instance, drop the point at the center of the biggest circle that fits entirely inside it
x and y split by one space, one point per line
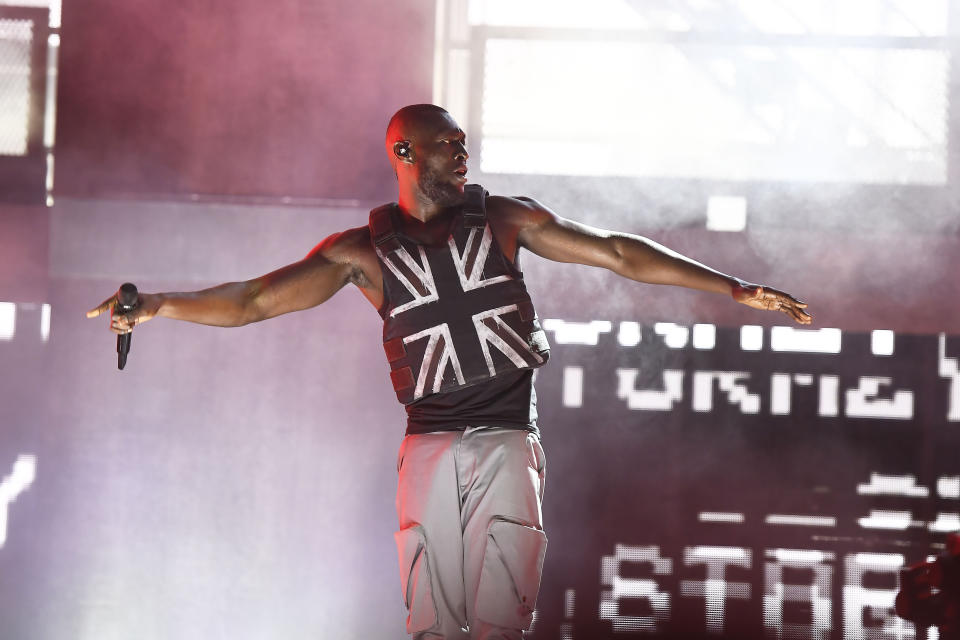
471 542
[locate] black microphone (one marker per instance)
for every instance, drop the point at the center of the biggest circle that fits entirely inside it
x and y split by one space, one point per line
127 300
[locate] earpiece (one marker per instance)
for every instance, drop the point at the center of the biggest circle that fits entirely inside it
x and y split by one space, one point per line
402 149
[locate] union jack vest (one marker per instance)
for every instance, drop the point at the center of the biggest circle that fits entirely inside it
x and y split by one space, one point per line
455 314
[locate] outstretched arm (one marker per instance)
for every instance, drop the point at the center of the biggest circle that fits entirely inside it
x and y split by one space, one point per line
548 235
297 286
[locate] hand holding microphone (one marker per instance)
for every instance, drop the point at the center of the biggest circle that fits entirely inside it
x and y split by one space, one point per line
127 308
127 300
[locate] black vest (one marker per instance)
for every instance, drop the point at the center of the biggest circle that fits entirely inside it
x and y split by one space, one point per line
455 314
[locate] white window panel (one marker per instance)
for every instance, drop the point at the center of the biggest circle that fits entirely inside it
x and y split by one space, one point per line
726 112
16 39
898 18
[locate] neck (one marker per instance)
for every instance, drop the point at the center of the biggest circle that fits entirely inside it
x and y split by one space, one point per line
414 203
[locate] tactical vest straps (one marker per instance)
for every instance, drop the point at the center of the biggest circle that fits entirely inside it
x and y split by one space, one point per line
383 229
383 225
475 208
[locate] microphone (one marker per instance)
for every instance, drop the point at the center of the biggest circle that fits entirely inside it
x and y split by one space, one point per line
127 300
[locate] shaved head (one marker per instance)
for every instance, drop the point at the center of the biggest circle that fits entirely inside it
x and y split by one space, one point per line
406 123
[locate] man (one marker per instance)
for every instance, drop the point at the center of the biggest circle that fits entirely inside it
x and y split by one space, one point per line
463 340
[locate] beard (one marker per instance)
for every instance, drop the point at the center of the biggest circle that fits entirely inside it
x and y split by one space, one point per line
437 187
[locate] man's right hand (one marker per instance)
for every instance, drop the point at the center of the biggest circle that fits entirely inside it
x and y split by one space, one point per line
148 305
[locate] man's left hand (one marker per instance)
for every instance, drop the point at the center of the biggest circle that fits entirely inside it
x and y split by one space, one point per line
770 299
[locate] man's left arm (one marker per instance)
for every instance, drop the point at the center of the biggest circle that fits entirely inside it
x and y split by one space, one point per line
550 236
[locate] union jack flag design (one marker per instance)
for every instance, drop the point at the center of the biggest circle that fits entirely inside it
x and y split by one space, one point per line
474 255
416 278
454 314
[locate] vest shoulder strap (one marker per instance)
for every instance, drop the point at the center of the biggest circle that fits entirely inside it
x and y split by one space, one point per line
382 228
475 207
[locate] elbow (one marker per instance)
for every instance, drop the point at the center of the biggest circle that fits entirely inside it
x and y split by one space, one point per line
618 257
630 257
251 307
250 312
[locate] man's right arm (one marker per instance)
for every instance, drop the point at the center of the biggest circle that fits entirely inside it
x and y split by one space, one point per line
301 285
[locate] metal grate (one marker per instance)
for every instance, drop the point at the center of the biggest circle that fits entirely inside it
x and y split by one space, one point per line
16 40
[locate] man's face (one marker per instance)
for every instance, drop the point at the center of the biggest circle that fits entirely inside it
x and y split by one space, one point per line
441 160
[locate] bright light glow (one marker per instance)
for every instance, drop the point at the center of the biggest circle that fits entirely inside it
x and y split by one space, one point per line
619 587
781 390
50 163
723 553
716 589
569 603
726 213
814 595
881 342
577 332
674 336
53 5
881 485
629 334
751 337
794 17
868 611
949 487
799 557
897 520
45 322
829 404
704 336
950 368
801 521
887 560
8 320
439 61
946 523
650 399
873 115
21 477
805 340
780 394
727 381
862 401
50 103
717 516
16 38
573 387
610 14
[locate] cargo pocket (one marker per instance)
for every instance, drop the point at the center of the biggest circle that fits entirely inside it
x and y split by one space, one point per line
415 581
510 578
535 456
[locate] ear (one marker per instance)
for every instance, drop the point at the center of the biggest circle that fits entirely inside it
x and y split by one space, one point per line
403 150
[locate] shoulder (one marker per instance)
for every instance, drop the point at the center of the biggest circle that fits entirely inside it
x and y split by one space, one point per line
517 211
349 245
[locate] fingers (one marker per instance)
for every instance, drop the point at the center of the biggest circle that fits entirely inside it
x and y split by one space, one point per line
795 302
801 316
103 307
122 323
770 299
795 310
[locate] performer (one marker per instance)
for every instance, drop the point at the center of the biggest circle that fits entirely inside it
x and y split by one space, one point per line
462 339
